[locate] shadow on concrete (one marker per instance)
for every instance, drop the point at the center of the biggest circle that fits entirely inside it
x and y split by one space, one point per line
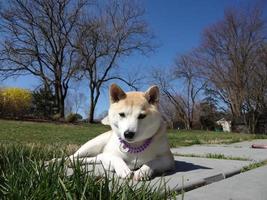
181 166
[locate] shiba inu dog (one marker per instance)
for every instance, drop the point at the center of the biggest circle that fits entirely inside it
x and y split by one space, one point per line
137 144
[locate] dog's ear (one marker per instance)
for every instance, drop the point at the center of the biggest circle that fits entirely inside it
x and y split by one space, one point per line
152 95
105 121
116 93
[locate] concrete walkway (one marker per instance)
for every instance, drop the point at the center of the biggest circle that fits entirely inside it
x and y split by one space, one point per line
193 172
214 176
247 152
241 150
251 185
247 144
189 172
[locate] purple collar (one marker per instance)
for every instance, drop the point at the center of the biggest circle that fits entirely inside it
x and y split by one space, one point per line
126 147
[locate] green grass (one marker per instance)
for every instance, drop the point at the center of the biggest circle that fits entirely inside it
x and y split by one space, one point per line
253 166
24 146
23 175
187 138
73 135
212 156
47 133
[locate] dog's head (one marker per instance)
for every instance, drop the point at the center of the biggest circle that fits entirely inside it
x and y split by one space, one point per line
133 116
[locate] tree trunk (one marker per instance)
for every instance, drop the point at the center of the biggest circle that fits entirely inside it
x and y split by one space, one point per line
60 100
62 107
253 122
92 105
93 102
188 123
57 98
91 112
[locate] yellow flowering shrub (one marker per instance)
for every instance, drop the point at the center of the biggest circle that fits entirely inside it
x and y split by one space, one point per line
15 101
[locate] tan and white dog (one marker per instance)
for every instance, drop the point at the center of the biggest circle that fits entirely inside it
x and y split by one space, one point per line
137 144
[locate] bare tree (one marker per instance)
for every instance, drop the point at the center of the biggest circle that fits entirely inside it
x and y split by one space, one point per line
116 30
181 86
229 55
175 109
75 102
255 101
187 70
36 40
173 112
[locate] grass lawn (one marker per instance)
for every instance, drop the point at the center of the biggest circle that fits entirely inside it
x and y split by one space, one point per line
66 135
24 175
24 146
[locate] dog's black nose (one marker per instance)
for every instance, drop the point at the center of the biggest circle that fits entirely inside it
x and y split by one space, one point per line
129 134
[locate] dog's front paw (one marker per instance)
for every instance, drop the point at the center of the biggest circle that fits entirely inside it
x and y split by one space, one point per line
142 174
71 163
52 161
124 173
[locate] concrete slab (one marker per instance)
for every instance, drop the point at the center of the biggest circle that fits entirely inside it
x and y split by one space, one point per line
243 151
245 186
191 172
247 144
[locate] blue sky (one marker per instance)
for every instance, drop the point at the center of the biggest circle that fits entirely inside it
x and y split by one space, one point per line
177 25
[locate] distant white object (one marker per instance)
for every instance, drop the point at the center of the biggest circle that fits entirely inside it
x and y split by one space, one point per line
226 125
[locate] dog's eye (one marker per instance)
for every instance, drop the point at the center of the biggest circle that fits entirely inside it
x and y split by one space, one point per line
141 116
122 114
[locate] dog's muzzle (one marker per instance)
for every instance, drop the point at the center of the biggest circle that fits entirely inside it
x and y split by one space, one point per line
129 135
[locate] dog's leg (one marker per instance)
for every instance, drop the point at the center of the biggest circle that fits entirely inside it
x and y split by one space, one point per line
110 163
92 147
158 165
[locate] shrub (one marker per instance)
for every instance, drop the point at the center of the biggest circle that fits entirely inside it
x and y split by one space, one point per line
43 103
207 122
15 102
56 117
218 127
73 117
